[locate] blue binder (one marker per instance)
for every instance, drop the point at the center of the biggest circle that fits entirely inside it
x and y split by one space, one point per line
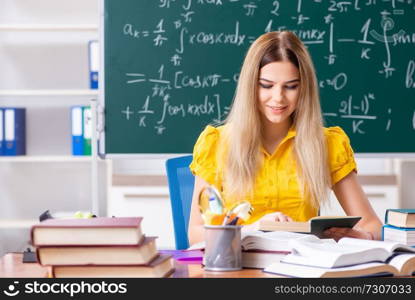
77 130
93 48
14 131
1 131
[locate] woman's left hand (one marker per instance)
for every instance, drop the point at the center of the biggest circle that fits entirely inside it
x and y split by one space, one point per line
339 232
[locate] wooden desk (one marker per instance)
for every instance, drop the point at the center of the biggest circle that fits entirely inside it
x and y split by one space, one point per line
11 266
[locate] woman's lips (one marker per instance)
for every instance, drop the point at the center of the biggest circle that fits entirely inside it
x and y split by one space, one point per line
277 109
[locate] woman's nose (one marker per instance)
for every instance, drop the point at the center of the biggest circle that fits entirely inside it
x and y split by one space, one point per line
277 94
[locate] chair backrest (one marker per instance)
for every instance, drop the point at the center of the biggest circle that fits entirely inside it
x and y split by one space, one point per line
181 184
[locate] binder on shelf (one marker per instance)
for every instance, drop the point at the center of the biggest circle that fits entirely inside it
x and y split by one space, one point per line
87 130
14 131
1 131
93 50
77 130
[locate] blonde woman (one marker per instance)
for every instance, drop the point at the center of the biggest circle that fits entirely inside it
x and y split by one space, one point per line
273 149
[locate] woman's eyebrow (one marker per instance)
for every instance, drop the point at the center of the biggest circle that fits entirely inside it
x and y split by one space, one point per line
290 81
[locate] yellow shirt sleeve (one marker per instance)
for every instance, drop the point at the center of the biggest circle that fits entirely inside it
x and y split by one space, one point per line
204 155
340 153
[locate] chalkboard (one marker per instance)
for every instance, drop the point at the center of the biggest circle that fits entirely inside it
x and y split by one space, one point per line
171 67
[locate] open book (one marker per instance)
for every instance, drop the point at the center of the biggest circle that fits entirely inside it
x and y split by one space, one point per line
312 251
399 265
315 225
267 241
259 249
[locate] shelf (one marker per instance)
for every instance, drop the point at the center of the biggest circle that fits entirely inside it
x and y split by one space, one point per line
48 27
15 223
71 92
45 158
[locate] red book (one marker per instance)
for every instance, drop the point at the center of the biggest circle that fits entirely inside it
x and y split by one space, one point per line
93 231
98 255
161 266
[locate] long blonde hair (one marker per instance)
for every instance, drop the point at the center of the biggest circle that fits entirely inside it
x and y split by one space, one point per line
243 131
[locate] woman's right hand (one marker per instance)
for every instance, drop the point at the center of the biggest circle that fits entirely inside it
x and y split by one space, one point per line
275 216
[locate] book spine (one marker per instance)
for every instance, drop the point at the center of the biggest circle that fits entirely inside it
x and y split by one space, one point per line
387 215
77 131
14 131
38 256
1 131
93 48
53 272
399 227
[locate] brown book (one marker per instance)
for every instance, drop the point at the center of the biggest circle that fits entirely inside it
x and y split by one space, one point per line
400 217
315 225
161 266
93 231
98 255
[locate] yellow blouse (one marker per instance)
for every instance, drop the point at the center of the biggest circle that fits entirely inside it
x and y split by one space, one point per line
276 186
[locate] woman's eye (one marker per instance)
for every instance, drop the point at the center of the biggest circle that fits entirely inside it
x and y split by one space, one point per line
265 86
291 87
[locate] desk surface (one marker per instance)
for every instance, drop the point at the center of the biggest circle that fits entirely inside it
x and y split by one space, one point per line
11 266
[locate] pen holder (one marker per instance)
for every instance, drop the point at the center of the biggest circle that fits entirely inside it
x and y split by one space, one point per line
223 248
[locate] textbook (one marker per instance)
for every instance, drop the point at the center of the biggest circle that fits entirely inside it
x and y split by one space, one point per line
161 266
99 255
400 217
94 231
399 234
399 265
259 240
312 251
259 249
269 241
315 225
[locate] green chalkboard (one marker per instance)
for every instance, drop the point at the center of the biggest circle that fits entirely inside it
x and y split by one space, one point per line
171 67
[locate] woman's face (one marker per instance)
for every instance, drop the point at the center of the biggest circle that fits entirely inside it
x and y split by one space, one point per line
279 85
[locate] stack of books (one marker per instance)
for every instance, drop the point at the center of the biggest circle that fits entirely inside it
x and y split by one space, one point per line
99 247
399 226
12 131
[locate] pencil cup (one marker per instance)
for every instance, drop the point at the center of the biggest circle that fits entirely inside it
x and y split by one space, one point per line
223 248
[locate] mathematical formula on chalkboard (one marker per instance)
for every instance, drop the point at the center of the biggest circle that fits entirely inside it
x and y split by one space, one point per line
171 67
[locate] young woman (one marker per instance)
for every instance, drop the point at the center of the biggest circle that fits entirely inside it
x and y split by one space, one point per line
273 149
